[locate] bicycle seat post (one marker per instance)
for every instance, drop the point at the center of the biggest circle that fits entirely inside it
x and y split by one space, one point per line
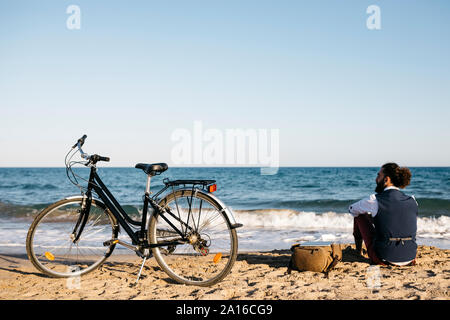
147 188
144 210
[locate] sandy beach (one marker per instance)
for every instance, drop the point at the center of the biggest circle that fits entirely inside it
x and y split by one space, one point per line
255 276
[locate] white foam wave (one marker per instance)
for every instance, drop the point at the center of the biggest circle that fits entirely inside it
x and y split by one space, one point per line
427 227
432 227
288 219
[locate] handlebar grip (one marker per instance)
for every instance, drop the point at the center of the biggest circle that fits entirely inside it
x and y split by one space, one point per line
95 158
81 141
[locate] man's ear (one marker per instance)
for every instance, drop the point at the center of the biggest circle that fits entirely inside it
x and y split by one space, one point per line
387 180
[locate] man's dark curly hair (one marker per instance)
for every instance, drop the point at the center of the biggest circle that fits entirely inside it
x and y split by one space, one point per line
400 176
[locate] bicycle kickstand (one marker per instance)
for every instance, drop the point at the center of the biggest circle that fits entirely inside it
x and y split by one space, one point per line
140 271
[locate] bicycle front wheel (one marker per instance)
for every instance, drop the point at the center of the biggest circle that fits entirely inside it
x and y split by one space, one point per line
51 242
196 243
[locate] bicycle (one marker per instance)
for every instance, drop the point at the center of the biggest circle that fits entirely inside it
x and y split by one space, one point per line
191 233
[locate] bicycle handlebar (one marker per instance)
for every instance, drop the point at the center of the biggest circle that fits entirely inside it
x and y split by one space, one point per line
93 158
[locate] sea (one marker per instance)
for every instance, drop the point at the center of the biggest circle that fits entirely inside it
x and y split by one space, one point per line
295 205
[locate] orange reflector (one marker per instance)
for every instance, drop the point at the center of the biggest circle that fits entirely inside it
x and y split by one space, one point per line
49 256
217 257
212 188
115 241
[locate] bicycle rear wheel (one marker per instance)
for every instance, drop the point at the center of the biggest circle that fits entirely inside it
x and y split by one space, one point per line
50 240
205 251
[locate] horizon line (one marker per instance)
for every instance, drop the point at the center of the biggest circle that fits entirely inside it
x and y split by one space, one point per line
249 167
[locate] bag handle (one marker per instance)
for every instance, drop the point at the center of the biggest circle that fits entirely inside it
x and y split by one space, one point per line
336 257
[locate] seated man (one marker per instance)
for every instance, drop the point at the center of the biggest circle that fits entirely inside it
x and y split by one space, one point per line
387 220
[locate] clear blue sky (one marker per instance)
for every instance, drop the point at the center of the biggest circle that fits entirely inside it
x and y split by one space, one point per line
340 94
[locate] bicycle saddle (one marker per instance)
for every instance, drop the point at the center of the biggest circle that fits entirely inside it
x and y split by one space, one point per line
152 168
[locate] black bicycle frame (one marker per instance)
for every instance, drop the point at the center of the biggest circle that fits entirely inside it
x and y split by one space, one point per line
122 217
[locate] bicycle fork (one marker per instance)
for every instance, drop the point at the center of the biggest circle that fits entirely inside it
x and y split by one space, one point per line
82 218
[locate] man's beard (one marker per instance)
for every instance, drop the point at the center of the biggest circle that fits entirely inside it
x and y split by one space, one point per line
380 187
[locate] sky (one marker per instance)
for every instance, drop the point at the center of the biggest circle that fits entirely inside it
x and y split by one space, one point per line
135 72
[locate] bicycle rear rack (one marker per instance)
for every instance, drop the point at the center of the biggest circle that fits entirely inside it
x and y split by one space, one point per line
204 183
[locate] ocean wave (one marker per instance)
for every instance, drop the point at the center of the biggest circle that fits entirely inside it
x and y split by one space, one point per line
427 206
433 206
430 227
280 218
434 225
8 210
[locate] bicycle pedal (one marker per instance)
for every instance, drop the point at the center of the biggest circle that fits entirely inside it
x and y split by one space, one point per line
110 242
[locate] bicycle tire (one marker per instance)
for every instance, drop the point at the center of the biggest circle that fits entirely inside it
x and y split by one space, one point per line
52 263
